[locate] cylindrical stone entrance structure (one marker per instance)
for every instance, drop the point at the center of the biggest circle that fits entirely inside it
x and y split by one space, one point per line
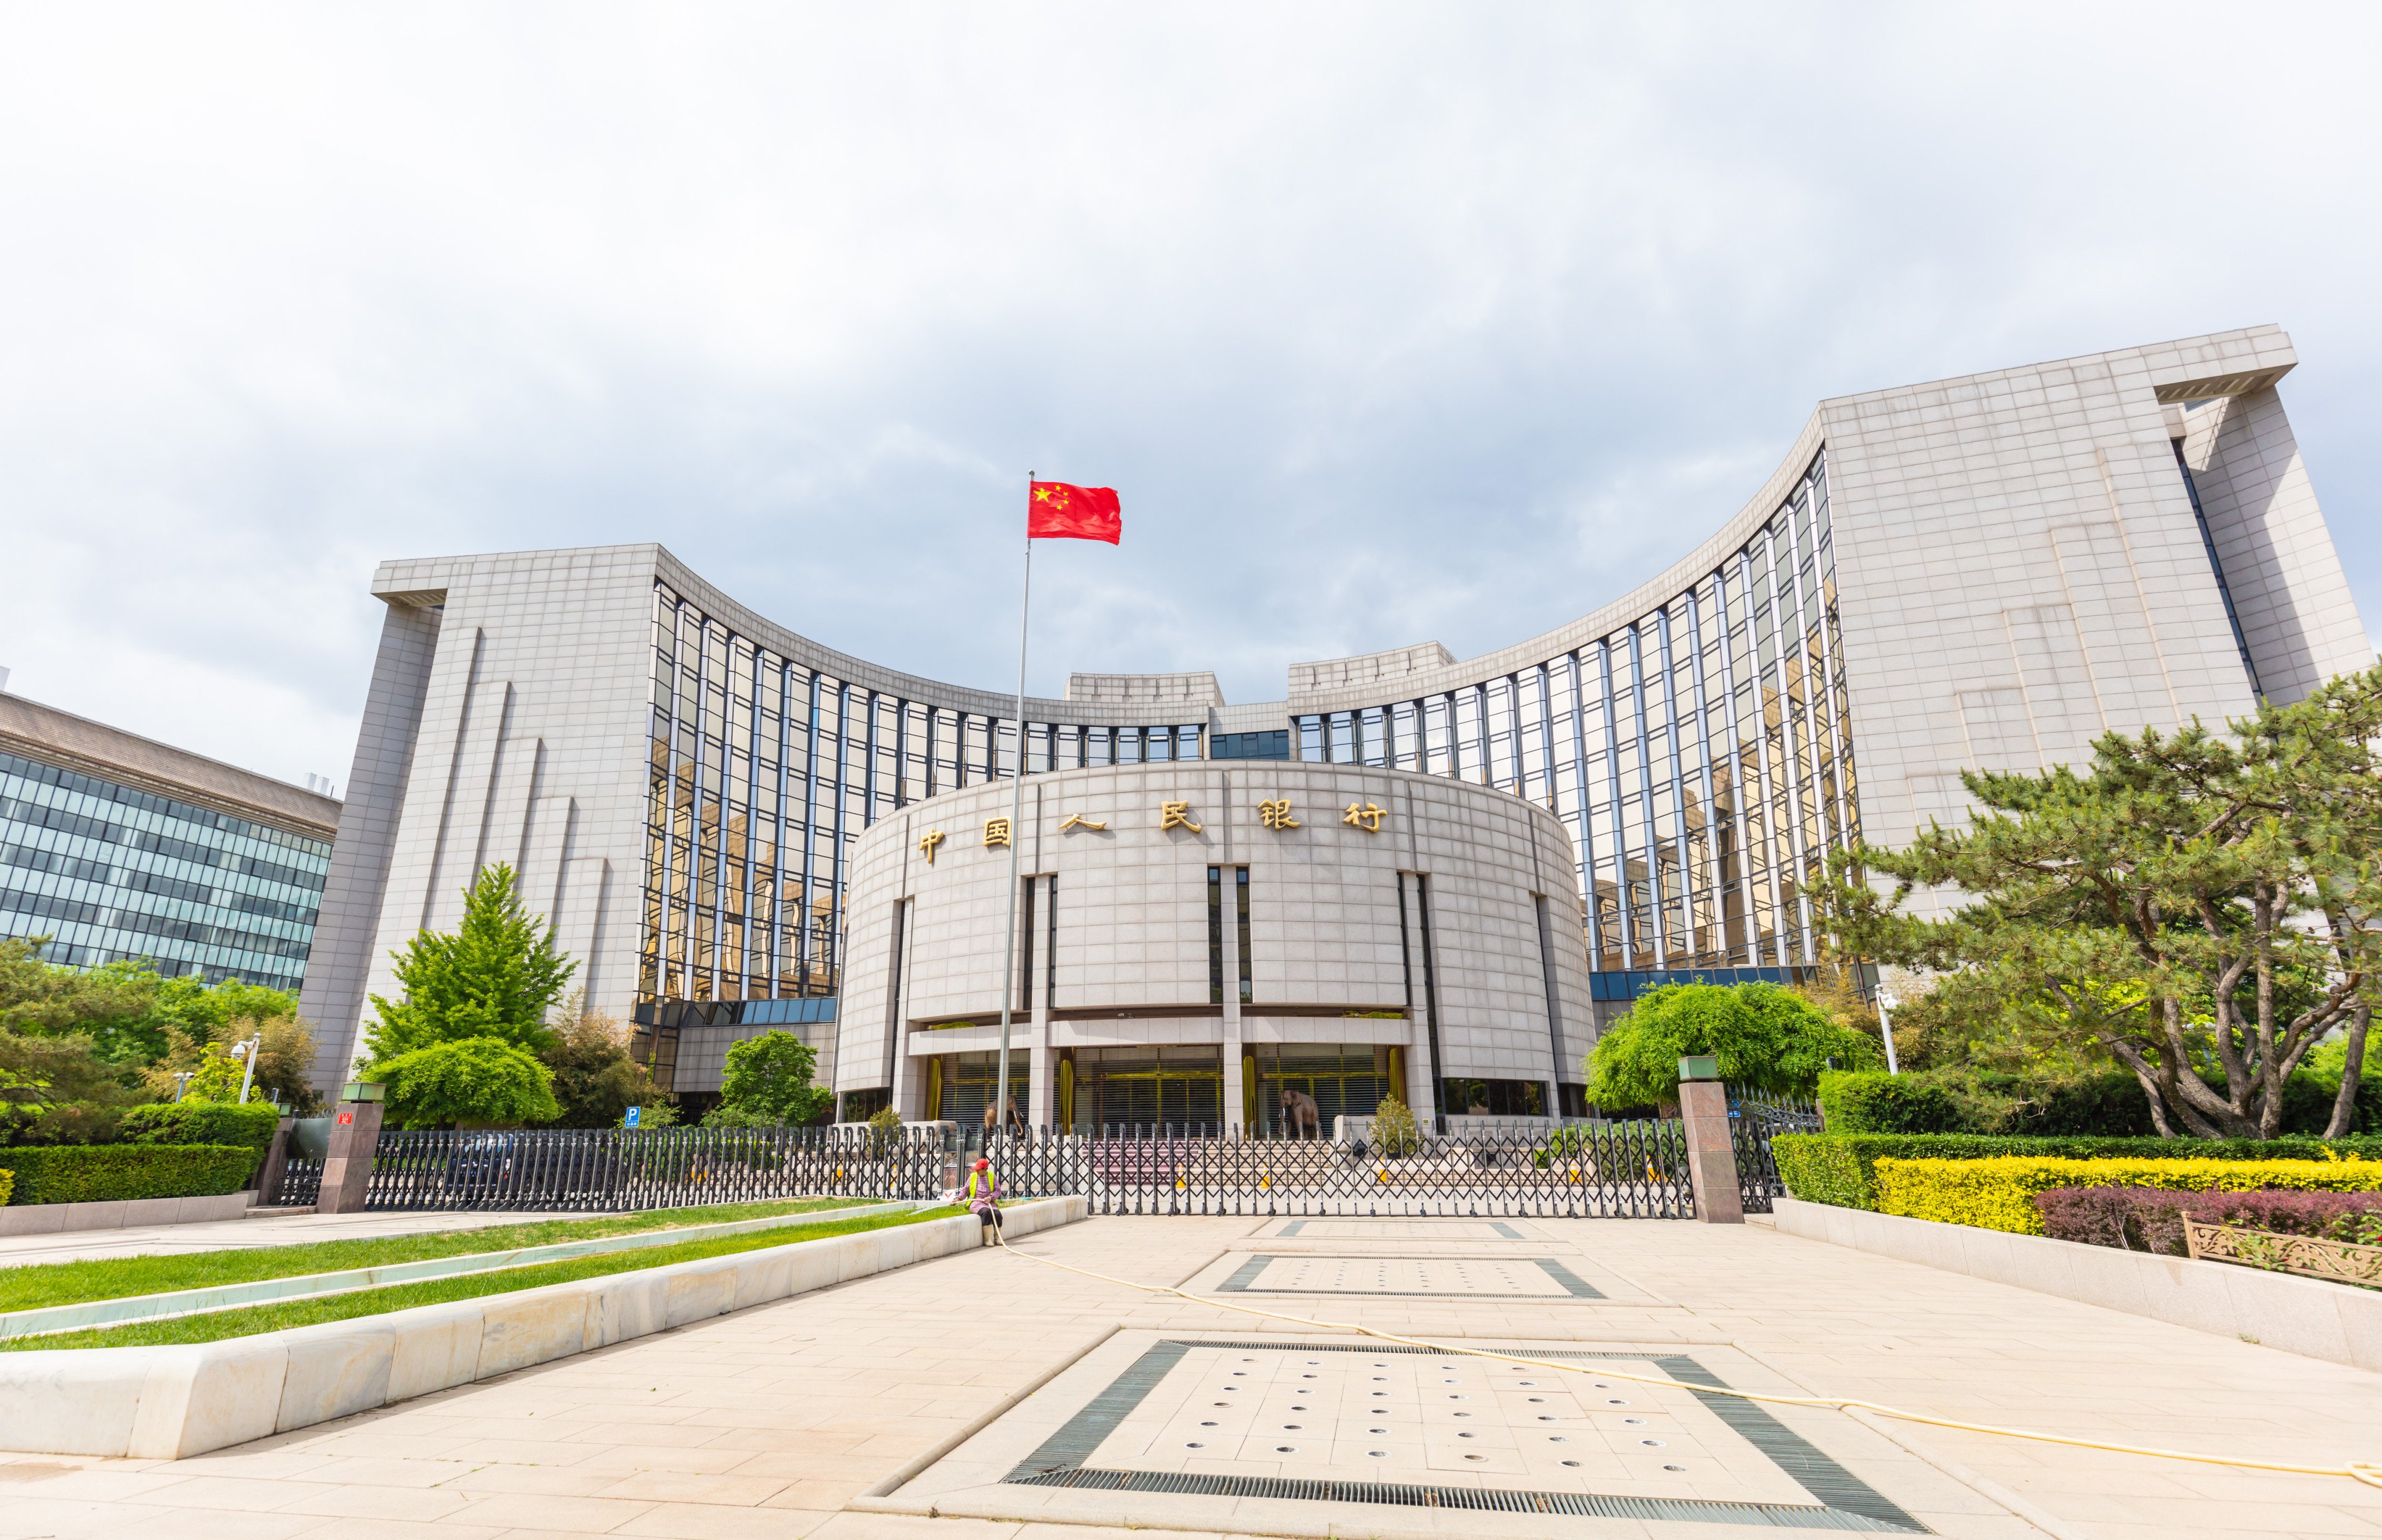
1268 945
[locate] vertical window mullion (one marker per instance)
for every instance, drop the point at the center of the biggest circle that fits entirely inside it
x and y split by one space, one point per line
810 833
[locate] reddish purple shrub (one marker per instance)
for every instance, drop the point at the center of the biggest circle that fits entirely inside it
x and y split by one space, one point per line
2150 1218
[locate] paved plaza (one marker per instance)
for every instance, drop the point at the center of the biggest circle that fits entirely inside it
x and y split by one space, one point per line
986 1397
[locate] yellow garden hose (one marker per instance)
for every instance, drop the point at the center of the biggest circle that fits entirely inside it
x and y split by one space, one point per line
2356 1470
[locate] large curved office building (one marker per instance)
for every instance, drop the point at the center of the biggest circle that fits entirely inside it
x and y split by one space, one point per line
1981 572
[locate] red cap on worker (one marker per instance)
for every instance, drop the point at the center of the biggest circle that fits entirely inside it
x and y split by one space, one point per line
984 1166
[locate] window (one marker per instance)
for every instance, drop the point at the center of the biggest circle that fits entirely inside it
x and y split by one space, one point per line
1264 745
1241 886
1215 935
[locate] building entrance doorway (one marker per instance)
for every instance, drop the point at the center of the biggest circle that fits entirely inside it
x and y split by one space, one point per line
1347 1080
1106 1087
959 1086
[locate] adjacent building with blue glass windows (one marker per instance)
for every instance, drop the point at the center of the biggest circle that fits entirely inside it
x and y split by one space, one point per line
116 848
1979 573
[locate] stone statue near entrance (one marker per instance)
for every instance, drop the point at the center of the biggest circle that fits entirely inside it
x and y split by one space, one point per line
1301 1118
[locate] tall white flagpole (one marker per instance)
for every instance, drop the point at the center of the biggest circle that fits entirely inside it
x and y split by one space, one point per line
1016 817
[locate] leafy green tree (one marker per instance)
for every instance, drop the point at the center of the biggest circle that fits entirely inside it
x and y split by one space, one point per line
112 1007
201 1008
769 1081
57 1090
476 1005
2197 907
285 1059
1767 1039
497 976
470 1080
216 1077
1395 1132
596 1082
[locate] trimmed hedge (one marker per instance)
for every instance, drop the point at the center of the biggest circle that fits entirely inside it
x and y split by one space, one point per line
1856 1101
1998 1193
201 1123
1841 1168
7 1183
108 1173
2151 1219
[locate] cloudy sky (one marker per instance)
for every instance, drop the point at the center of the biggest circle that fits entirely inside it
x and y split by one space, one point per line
1389 322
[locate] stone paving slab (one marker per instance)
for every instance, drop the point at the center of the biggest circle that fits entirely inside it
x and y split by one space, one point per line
775 1419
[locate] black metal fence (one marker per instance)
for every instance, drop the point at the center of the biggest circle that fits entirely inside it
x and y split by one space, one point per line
623 1169
1634 1168
1786 1115
302 1183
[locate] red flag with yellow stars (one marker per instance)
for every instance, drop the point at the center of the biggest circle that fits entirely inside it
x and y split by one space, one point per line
1055 510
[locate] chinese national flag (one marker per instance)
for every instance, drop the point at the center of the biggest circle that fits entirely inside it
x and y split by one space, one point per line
1056 511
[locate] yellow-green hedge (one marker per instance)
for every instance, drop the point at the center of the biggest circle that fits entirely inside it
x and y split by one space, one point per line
7 1185
1998 1193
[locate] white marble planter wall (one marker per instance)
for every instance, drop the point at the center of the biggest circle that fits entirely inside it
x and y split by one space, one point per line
2335 1320
171 1402
57 1218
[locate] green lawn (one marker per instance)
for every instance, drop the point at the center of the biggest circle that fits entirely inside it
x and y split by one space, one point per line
247 1320
54 1283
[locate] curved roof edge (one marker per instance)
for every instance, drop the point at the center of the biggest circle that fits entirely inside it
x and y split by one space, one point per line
2186 369
422 581
1647 597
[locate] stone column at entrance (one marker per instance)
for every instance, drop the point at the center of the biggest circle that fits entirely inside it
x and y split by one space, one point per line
1233 1112
1711 1157
348 1160
277 1161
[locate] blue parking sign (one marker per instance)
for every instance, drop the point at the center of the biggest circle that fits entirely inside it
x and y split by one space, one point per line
632 1119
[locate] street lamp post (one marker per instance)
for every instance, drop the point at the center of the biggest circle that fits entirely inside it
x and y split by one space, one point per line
247 1051
1885 1029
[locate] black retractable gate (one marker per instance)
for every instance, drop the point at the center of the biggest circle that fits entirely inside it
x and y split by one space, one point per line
1631 1169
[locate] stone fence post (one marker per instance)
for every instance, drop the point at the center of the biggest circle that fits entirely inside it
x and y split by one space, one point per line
348 1160
1712 1154
277 1161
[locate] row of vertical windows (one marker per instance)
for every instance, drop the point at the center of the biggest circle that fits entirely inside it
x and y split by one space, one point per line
76 782
112 874
1700 756
762 774
41 815
1221 880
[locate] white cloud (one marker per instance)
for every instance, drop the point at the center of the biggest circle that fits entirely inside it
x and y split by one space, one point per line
1389 322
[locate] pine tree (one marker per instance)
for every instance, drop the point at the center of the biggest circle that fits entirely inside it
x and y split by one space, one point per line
496 976
462 1046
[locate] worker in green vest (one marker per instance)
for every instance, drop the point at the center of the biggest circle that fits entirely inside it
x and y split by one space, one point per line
984 1197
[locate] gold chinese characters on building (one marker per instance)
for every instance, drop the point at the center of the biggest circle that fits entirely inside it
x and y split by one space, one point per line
1276 814
996 832
1077 821
1175 816
926 843
1367 816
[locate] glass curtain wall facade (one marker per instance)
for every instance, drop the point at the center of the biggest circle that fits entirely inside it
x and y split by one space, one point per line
111 872
763 771
1701 755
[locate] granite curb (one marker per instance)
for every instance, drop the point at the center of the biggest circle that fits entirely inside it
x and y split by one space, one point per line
172 1402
